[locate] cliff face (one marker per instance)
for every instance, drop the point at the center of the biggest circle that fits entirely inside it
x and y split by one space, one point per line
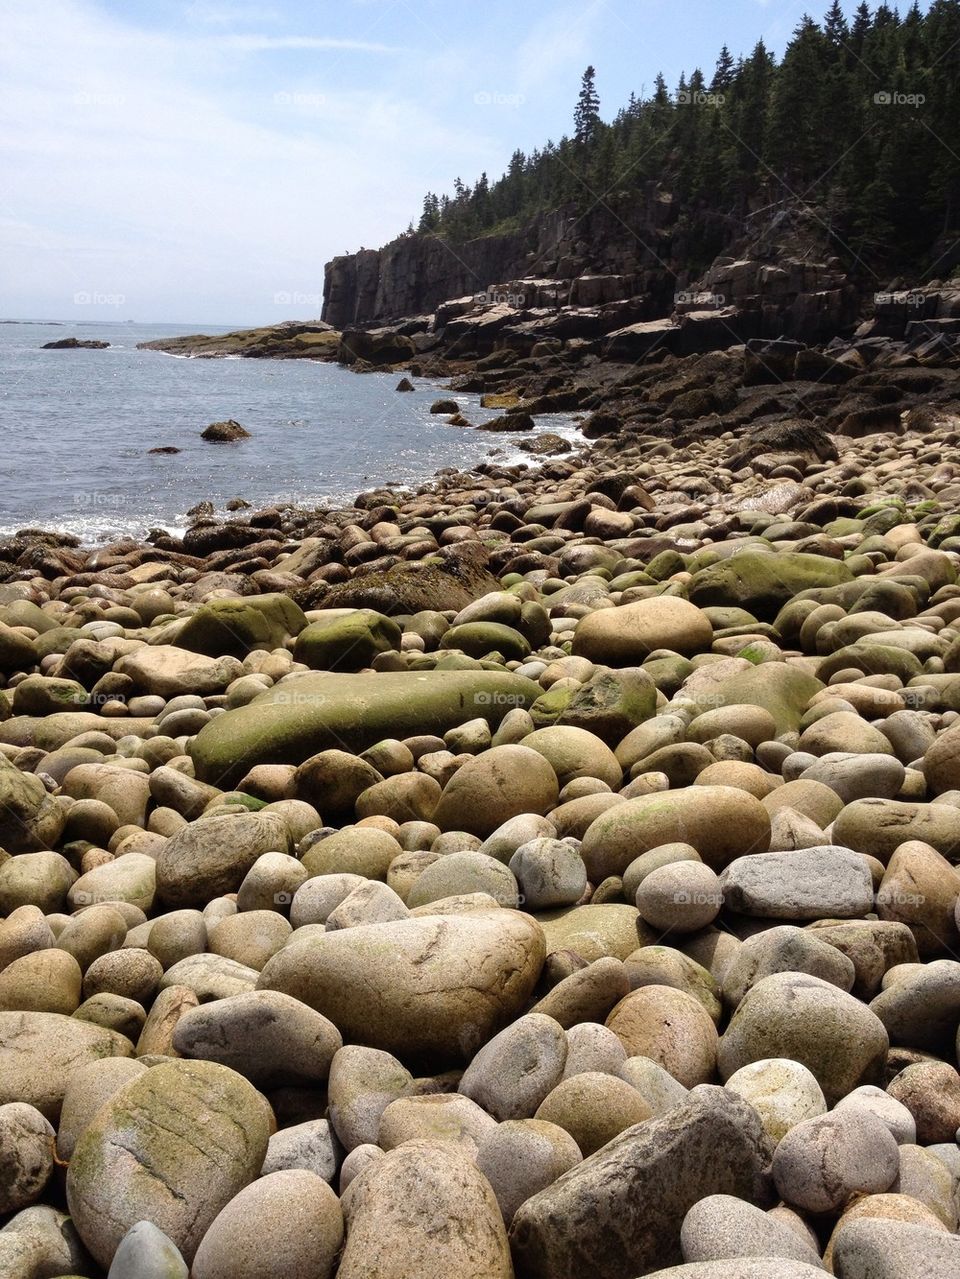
414 274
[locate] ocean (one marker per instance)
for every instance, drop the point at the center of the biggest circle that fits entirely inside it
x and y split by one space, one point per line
76 427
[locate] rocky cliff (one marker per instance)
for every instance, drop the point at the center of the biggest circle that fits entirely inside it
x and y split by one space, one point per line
414 274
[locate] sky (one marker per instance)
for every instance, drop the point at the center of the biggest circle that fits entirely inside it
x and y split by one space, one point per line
198 161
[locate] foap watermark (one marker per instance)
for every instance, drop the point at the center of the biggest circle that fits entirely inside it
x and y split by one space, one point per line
302 101
895 98
684 898
496 297
891 897
699 98
492 98
499 699
85 98
87 297
92 499
899 298
704 299
298 699
286 297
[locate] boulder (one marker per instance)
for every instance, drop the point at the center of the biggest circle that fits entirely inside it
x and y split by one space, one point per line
432 987
423 1209
720 822
793 1015
30 818
173 1147
234 628
624 636
619 1213
299 717
211 856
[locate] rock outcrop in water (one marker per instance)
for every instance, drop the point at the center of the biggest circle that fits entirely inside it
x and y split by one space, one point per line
75 344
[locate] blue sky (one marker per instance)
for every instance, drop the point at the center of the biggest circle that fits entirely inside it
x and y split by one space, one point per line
199 161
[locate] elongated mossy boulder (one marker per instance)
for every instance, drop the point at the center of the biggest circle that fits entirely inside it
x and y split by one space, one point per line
302 716
763 581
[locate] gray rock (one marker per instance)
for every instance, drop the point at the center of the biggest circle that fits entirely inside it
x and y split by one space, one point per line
510 1076
426 1210
370 903
272 1039
878 1102
550 872
587 994
784 948
811 883
147 1253
822 1163
318 897
40 1051
435 1117
49 1236
286 1223
211 977
876 1249
857 776
436 987
514 833
656 1086
591 1046
744 1268
723 1228
312 1145
922 1008
619 1213
26 1155
211 856
363 1082
808 1020
522 1157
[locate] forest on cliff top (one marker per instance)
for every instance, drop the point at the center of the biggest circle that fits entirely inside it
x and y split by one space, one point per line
859 124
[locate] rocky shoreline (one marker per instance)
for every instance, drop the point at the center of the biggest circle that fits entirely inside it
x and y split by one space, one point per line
544 872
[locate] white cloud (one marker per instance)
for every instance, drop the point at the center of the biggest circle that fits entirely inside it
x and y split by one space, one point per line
140 165
268 43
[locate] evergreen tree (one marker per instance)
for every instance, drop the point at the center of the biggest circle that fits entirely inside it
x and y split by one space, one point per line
586 116
724 73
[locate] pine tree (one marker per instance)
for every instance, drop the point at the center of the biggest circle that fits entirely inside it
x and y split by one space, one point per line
835 25
586 116
723 73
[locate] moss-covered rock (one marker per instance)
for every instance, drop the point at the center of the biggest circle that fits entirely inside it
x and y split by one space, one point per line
762 582
173 1146
406 588
476 639
784 691
17 652
30 819
346 643
299 717
235 627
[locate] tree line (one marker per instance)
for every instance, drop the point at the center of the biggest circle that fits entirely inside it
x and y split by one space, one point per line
859 123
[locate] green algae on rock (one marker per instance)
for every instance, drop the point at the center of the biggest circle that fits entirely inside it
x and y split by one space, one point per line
311 713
